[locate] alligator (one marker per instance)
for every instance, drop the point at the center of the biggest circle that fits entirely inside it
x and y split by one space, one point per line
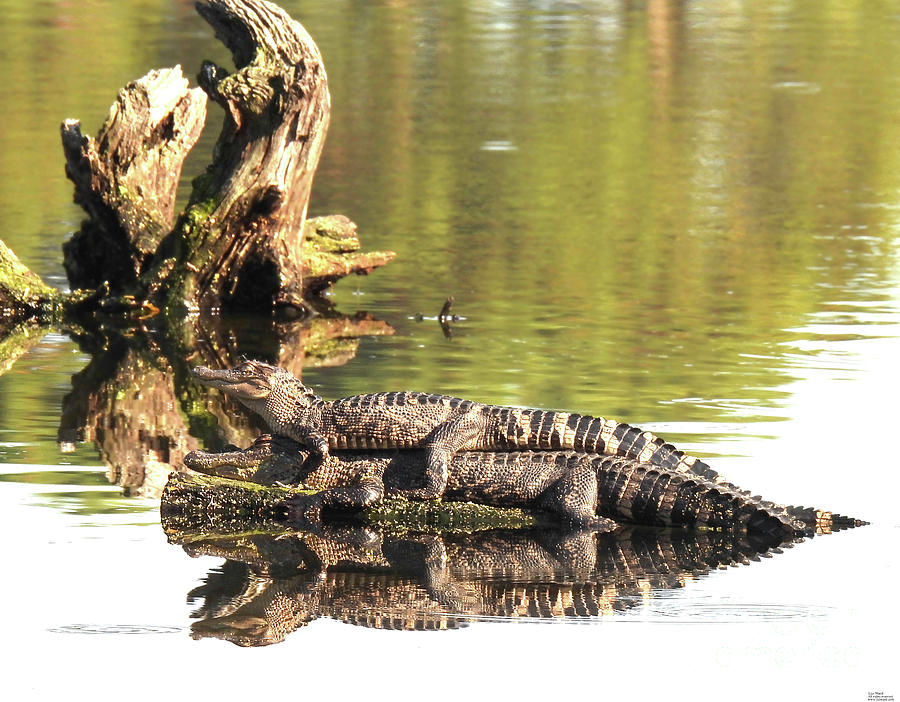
584 489
598 468
439 424
429 583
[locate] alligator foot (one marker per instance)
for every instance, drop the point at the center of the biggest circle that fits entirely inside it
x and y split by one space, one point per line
304 509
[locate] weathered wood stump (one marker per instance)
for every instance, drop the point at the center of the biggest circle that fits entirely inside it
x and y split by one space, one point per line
243 242
127 178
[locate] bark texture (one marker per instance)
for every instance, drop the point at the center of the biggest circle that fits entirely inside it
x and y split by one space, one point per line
243 241
243 229
127 178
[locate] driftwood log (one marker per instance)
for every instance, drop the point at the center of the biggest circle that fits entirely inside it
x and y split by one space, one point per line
243 242
241 490
197 506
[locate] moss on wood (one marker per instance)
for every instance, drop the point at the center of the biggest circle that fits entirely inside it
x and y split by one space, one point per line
195 504
23 293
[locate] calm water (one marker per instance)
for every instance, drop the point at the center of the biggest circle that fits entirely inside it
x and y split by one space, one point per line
685 215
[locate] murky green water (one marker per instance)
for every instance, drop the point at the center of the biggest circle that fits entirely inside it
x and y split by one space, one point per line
685 215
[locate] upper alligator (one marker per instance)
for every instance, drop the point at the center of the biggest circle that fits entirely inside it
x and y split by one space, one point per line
440 425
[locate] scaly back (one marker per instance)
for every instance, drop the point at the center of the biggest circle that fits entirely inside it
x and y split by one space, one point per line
542 429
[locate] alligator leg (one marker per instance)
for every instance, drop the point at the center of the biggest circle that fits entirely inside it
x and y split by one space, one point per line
438 580
574 497
575 550
366 490
328 545
239 459
316 443
440 446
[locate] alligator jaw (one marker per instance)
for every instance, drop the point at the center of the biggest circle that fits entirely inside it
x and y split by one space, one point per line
222 379
239 382
208 376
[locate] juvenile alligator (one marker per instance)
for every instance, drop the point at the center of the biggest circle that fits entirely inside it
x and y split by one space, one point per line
440 425
581 488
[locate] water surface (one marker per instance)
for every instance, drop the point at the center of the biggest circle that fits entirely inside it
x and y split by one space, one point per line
683 215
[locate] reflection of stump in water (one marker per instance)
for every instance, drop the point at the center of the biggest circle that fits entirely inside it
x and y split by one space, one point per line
222 342
127 406
144 413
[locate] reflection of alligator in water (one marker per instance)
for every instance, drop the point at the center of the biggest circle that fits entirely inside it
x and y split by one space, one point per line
572 485
271 587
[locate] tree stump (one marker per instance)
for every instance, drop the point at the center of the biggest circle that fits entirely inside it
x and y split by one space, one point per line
127 178
243 241
243 228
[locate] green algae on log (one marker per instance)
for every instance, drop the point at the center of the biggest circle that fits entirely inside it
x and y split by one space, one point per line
398 513
331 251
23 294
27 302
198 504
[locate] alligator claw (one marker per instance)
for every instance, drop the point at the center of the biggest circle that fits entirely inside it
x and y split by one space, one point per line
304 508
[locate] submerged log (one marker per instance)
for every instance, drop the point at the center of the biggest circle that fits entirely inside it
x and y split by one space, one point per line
28 303
248 489
23 295
197 506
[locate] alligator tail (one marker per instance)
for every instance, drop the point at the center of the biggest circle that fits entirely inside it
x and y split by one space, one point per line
647 494
819 521
543 430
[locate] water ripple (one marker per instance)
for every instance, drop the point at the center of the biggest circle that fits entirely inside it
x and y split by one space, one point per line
671 613
729 612
116 629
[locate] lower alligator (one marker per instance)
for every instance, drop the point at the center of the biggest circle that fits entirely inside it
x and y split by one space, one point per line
580 488
440 425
